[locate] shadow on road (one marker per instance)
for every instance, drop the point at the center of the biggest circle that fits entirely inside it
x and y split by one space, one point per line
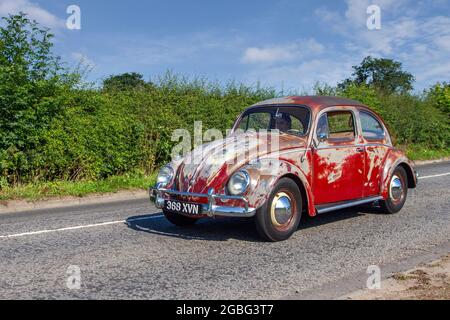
222 229
335 216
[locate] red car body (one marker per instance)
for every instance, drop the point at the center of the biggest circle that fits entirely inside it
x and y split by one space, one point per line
331 170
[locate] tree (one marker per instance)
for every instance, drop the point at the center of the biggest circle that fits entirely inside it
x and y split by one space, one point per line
25 48
384 74
124 81
29 72
29 78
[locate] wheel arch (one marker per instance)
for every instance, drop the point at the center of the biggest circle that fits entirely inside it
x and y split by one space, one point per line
264 183
394 159
410 175
306 199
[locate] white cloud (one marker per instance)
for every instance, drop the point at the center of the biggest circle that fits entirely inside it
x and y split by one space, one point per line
167 50
282 53
302 76
33 10
255 55
420 41
190 54
83 59
443 42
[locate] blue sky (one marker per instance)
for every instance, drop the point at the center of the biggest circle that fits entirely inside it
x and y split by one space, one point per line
284 44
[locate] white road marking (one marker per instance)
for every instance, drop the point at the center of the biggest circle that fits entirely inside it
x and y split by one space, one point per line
77 227
434 176
130 220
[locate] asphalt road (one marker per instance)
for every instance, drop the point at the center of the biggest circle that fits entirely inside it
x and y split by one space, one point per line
127 250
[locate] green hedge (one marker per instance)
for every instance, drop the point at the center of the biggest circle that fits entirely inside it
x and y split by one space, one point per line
96 134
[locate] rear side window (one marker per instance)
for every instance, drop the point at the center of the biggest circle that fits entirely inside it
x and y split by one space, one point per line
371 127
341 125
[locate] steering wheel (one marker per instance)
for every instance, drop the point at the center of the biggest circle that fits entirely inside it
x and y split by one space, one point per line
294 131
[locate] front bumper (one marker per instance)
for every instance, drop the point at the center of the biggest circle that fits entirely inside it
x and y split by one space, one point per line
211 209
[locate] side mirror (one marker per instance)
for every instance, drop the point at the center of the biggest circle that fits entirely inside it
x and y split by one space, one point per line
322 136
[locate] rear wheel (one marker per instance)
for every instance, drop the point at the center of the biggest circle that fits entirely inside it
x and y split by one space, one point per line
178 219
397 192
280 216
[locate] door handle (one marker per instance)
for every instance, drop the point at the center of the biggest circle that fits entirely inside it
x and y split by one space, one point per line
360 149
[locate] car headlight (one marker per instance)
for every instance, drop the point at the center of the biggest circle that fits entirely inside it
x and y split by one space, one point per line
165 175
238 182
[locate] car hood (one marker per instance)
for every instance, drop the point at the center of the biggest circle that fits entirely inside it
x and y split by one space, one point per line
210 165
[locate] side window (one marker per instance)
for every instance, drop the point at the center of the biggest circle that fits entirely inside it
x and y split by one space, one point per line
371 127
341 125
255 121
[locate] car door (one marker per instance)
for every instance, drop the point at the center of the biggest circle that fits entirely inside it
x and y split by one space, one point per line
376 144
338 157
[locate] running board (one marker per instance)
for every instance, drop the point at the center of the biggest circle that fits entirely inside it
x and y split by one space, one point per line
323 208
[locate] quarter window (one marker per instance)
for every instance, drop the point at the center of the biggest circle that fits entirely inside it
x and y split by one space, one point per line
371 127
322 126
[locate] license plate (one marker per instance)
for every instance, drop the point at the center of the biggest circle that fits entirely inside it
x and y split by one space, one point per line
182 207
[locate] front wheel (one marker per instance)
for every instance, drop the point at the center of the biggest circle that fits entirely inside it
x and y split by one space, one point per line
397 192
178 219
280 216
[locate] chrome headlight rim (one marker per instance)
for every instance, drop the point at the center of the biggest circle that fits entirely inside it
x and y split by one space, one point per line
165 175
244 188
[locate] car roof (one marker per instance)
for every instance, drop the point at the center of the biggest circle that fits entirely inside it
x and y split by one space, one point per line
314 102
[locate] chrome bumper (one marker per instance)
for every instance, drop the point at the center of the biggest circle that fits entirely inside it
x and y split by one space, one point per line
210 209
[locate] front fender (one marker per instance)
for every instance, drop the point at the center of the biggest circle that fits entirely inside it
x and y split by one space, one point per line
264 182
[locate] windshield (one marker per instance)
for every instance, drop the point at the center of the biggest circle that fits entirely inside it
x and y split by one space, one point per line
290 120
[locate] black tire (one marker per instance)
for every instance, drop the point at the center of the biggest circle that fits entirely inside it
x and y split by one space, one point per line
178 219
395 201
267 224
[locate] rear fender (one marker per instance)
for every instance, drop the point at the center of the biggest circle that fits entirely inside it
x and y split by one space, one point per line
394 159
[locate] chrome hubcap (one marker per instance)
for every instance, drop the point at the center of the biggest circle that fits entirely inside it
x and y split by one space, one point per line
396 189
281 210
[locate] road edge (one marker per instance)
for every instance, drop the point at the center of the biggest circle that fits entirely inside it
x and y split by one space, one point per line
420 163
339 289
14 206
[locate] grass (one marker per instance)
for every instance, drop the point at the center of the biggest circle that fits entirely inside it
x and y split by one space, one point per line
44 190
417 152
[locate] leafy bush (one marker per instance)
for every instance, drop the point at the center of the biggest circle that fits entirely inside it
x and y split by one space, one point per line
439 97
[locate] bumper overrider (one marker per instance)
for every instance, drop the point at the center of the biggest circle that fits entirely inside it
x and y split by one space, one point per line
158 195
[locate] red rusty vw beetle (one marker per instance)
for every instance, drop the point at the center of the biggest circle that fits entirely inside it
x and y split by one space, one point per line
287 157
